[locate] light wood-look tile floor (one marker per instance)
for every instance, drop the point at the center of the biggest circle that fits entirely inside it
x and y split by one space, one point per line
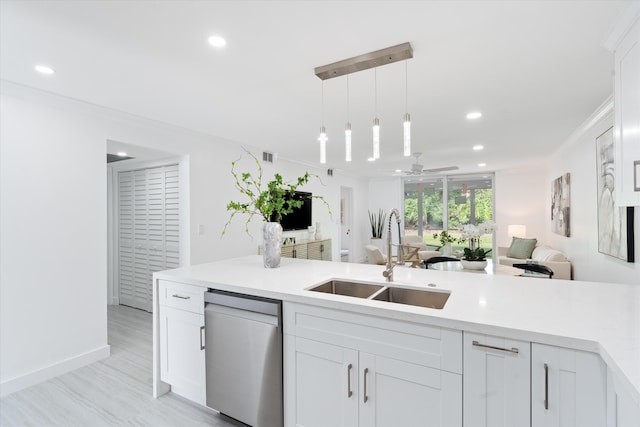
113 392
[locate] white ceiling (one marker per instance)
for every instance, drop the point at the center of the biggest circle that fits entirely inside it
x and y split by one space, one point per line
536 69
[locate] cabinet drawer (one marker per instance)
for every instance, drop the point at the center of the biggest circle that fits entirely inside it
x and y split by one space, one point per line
182 296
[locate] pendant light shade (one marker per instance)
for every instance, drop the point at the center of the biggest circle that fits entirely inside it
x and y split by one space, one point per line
323 145
406 126
376 138
376 122
347 142
407 134
323 132
347 131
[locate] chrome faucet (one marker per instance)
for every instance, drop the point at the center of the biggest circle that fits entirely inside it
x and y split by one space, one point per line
388 272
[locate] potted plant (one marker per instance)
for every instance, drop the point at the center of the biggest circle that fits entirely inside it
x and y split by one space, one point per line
445 240
475 257
270 203
377 227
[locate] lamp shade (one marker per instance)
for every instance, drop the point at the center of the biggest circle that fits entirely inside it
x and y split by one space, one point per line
517 231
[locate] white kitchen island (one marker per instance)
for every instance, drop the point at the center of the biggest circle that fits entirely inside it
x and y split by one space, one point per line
574 317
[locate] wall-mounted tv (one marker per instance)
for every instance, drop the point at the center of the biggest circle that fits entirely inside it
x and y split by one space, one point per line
300 218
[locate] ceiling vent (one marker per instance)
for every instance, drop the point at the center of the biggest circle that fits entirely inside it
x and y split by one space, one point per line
267 157
116 158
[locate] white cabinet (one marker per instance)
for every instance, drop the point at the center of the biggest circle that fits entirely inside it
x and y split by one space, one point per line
622 409
496 381
568 387
347 369
181 332
627 111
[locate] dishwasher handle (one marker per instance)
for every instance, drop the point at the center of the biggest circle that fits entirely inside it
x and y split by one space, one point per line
244 302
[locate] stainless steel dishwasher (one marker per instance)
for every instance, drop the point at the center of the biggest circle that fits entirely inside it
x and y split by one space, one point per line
243 336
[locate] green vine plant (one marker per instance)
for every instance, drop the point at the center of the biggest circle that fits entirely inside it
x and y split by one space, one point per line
270 204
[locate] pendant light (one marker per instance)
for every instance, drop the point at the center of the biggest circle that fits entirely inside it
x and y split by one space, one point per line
407 118
376 122
323 133
347 131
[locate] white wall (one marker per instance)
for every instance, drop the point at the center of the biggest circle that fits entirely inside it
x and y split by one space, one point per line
578 157
53 288
520 197
53 246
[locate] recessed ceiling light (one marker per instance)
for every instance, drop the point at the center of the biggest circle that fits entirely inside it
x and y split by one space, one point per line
121 154
478 147
44 69
482 165
398 170
371 159
217 41
474 115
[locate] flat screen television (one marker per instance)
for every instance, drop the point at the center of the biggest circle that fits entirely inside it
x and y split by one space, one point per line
300 218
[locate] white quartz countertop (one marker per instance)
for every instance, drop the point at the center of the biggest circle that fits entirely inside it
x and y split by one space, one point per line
599 317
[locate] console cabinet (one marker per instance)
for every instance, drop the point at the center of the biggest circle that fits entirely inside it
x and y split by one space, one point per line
315 249
347 369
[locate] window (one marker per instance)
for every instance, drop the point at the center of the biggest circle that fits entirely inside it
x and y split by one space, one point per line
433 204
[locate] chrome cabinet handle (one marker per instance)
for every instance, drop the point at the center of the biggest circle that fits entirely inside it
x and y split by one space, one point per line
201 333
349 392
510 350
180 296
546 386
366 371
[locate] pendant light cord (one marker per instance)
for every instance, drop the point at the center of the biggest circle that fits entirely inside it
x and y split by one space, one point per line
375 91
406 87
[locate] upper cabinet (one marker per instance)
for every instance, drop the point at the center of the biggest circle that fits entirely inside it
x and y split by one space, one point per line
625 43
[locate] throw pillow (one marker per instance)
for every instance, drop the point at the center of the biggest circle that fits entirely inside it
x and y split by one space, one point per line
548 254
521 248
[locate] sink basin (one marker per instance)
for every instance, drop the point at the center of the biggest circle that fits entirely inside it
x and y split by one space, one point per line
351 289
418 297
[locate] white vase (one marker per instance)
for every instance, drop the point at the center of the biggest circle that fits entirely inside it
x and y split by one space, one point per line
272 238
473 265
446 249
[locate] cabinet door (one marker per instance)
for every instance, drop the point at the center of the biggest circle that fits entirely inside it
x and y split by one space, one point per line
627 117
568 387
396 393
182 362
326 379
622 410
496 381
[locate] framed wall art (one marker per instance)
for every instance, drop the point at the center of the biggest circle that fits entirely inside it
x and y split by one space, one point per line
615 223
561 205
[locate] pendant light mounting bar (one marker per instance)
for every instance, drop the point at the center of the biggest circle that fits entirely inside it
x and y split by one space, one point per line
366 61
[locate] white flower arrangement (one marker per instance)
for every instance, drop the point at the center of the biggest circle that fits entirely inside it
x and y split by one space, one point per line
472 233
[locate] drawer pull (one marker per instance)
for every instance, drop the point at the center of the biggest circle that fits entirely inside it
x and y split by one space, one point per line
349 392
510 350
180 296
201 334
366 371
546 386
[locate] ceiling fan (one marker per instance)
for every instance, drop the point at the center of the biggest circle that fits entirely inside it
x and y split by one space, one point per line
417 168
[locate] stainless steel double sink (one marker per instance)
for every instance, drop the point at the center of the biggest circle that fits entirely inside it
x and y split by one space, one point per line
410 296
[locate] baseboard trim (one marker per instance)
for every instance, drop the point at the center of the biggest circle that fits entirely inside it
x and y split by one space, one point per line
18 383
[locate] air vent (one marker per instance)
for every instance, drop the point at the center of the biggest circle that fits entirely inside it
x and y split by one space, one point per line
330 172
115 158
267 157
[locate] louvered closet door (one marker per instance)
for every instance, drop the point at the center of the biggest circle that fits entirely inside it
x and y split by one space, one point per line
149 230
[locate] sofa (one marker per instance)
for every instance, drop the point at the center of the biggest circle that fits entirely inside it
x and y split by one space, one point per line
543 255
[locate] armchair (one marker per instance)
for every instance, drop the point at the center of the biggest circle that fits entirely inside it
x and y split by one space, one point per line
423 252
